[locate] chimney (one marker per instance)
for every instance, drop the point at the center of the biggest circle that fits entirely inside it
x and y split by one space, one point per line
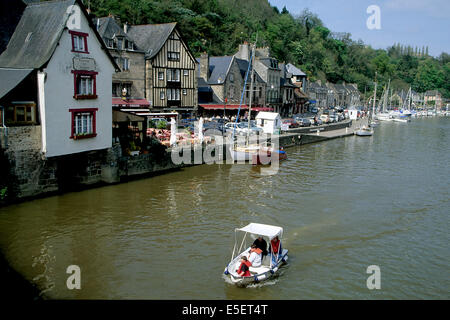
204 66
125 27
244 51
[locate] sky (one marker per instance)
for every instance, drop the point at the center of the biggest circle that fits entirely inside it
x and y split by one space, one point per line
409 22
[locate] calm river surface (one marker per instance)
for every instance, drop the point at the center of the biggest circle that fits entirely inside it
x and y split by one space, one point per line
344 204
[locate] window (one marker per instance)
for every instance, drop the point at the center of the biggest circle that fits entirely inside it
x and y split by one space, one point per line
185 73
110 43
231 78
128 45
173 94
125 64
79 41
83 123
161 95
184 92
173 56
120 43
160 75
21 113
173 75
84 84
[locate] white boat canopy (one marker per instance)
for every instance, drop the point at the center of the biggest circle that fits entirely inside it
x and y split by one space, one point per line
263 230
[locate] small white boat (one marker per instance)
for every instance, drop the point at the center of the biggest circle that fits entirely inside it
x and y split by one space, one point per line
364 132
270 264
384 116
401 120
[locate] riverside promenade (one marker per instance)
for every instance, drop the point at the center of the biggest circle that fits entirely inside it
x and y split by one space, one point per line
295 137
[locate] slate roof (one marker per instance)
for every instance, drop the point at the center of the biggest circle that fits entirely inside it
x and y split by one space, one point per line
294 70
268 63
218 69
36 36
243 66
10 78
151 37
108 28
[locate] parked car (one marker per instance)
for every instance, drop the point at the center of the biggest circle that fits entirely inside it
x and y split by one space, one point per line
213 125
242 128
304 122
314 110
334 118
324 118
291 122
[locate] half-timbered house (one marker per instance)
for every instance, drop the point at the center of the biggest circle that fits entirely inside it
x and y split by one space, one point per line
170 68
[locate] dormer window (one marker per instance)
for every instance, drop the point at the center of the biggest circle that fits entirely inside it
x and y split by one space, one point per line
129 45
79 41
110 43
119 43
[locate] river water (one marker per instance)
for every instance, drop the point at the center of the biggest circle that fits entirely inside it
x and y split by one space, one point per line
344 204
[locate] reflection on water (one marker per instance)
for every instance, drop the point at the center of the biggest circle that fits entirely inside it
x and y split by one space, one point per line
344 204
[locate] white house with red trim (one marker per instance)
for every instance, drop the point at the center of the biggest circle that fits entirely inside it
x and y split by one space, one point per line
56 48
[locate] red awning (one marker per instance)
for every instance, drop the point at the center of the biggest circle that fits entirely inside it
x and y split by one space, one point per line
262 109
119 102
221 106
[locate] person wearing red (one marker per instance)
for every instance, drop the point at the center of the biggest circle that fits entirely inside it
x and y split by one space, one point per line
275 249
243 270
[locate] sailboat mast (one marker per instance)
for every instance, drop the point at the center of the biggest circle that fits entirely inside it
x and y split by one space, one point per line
251 91
410 96
374 97
386 96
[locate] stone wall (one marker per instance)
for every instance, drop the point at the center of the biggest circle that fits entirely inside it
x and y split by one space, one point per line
29 172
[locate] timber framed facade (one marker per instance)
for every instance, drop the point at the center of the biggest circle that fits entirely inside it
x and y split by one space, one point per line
171 83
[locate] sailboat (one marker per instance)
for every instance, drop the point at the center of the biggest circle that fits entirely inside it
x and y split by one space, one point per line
403 114
256 153
383 115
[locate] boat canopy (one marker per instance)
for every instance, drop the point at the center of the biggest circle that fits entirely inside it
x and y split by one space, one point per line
263 230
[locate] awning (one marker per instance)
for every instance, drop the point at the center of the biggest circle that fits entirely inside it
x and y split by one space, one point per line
263 230
121 116
262 109
119 102
10 78
221 106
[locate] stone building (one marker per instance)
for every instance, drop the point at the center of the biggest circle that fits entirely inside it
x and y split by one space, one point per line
318 94
224 78
130 59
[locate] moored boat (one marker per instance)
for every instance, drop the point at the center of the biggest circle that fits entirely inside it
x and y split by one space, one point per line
364 132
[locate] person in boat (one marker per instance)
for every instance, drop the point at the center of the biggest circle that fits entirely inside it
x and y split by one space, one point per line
244 270
275 248
261 244
255 257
